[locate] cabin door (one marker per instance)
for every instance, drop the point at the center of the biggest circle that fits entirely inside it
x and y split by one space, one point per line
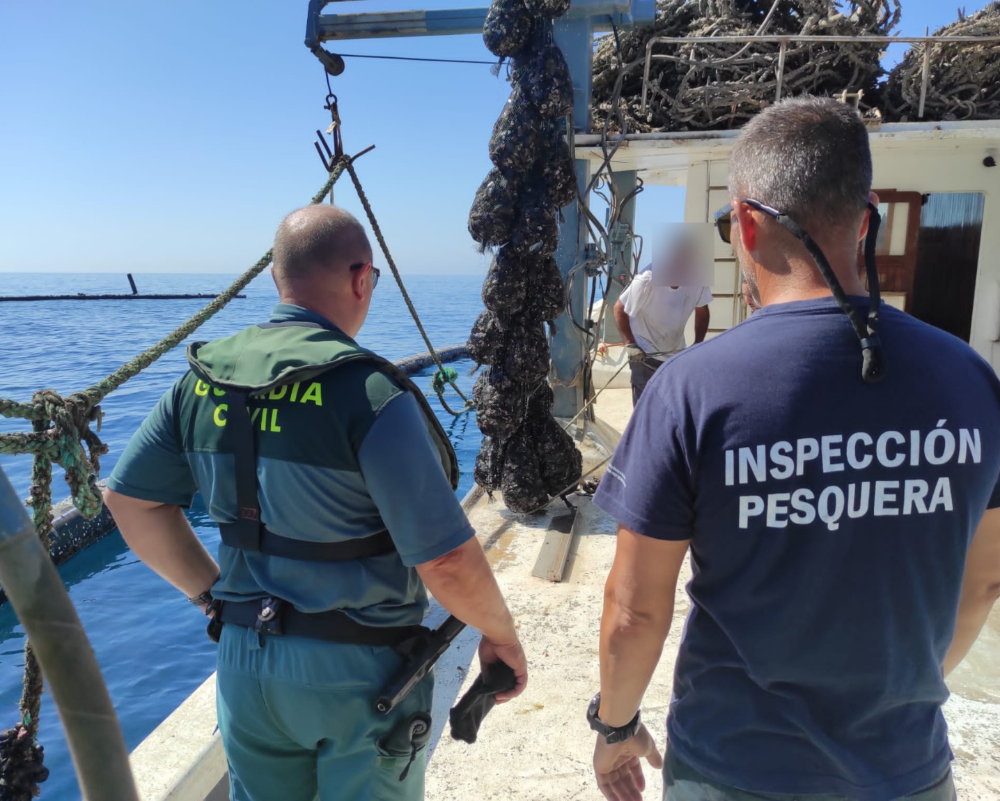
928 256
896 250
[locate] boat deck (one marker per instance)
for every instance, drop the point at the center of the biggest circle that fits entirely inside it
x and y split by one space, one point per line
539 745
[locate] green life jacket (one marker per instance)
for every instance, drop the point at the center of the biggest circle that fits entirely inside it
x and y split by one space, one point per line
261 359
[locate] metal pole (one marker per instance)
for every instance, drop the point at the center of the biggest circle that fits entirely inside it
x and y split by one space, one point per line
645 73
68 663
132 284
781 68
575 38
925 80
624 182
775 38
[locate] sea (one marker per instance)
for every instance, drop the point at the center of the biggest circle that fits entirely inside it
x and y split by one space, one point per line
150 642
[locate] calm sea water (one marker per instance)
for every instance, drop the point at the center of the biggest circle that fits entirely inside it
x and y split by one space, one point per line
149 640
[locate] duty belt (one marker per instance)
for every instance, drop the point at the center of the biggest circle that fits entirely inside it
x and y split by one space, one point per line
277 618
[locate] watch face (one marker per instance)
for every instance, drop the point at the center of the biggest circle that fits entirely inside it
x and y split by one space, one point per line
592 719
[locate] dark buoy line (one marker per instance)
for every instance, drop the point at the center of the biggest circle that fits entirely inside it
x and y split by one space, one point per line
134 296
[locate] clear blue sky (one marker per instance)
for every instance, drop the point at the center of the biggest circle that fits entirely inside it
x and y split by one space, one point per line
156 137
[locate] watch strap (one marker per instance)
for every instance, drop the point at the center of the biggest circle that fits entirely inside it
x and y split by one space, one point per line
611 734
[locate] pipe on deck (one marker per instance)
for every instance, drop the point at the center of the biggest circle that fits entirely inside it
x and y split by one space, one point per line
67 660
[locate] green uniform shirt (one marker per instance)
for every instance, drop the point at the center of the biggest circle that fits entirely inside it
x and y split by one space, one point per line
345 454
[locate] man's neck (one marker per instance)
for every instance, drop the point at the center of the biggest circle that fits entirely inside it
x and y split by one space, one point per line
322 309
803 281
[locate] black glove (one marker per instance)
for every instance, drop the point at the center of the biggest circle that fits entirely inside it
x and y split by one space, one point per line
468 714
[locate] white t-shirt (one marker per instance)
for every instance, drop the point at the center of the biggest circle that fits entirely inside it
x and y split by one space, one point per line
658 314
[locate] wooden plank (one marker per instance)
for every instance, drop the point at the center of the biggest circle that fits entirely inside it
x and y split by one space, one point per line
555 550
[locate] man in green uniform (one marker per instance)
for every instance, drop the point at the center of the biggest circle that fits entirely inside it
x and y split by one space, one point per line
333 486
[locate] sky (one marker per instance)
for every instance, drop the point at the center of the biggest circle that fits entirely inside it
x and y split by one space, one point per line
173 137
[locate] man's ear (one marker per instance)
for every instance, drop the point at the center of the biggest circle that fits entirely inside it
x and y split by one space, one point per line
746 226
873 199
358 282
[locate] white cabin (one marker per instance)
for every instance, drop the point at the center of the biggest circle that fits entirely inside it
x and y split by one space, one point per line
939 183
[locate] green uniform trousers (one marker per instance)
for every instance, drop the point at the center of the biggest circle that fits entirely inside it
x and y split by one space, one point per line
298 721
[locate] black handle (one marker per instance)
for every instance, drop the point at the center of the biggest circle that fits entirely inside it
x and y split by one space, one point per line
418 665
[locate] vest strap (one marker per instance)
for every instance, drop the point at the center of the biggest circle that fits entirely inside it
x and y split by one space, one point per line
248 533
270 544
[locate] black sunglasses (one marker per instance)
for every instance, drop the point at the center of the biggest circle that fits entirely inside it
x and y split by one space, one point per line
724 216
376 272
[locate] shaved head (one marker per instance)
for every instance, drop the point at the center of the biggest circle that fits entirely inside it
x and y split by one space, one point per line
316 241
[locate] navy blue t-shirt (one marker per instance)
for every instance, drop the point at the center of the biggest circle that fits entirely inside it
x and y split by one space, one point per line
829 522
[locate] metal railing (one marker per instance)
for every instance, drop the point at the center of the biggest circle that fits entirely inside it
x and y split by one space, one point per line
784 41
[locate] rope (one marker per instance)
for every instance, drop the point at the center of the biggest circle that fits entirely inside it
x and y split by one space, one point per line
60 430
406 297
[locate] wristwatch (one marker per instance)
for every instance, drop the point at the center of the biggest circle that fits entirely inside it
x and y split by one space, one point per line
206 597
611 734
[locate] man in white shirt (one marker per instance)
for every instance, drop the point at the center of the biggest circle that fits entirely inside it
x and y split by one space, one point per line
652 319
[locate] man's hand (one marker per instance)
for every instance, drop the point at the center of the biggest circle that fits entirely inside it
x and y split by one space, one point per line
635 354
618 767
513 656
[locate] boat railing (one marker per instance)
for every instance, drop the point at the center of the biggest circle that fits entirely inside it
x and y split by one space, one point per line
785 40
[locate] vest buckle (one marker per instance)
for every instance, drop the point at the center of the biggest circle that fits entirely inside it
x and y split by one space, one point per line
269 617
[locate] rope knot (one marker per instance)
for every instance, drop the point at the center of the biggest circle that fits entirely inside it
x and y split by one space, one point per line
65 423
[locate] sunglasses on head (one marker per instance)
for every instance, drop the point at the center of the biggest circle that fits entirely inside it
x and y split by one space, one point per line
376 273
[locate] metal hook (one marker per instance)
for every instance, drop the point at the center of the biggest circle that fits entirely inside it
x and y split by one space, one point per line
330 158
331 106
327 158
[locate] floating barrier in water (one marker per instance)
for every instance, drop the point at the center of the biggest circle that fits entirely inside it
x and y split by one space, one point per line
136 295
82 296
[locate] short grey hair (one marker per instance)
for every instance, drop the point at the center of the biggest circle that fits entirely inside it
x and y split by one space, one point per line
318 237
808 157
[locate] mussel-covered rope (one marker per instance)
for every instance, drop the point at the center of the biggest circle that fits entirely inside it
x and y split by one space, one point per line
525 453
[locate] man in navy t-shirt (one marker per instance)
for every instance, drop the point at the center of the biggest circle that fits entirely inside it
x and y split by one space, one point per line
843 555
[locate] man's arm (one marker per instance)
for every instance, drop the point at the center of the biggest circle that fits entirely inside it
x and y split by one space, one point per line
431 531
638 610
463 583
980 588
146 492
160 535
701 318
623 322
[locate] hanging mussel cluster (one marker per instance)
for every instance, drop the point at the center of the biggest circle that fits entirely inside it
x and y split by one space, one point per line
525 453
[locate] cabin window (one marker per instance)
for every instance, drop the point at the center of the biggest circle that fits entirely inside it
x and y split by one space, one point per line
944 282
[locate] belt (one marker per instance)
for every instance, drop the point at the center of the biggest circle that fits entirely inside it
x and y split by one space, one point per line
278 618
